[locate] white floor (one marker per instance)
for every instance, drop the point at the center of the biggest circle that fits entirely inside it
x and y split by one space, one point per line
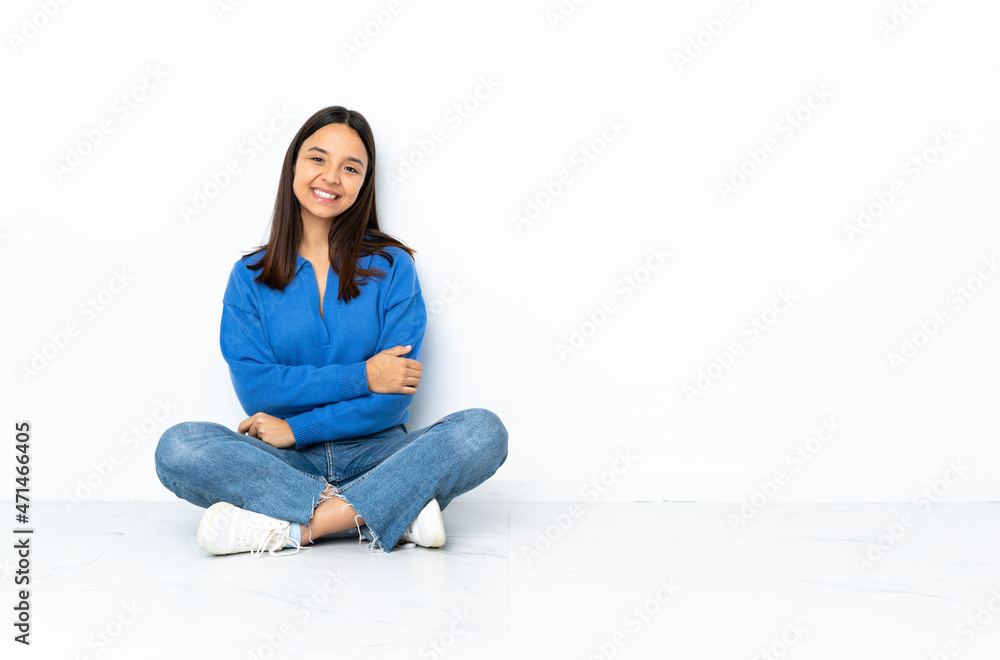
640 580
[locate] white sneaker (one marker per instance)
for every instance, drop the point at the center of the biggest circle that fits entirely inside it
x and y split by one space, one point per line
226 529
427 529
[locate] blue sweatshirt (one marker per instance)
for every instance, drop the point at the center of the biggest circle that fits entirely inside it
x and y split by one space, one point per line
288 361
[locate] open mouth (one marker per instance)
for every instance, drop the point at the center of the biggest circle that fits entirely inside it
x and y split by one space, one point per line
323 196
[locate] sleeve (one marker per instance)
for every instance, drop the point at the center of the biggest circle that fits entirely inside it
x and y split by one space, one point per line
263 385
405 321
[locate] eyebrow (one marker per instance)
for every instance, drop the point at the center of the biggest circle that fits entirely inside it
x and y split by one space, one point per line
324 151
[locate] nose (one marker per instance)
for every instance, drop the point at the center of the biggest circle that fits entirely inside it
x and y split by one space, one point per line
331 174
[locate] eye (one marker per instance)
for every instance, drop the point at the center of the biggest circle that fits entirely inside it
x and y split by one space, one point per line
317 158
351 167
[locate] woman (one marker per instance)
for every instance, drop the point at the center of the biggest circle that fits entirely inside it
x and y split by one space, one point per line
326 379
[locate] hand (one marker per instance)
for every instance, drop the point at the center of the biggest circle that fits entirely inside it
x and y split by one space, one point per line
388 373
275 432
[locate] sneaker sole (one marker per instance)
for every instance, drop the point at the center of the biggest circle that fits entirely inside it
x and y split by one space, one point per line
213 512
430 525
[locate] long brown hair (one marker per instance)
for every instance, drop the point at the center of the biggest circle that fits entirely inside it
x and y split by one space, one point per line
353 234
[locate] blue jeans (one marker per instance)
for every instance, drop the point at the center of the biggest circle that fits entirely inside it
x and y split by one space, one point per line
386 476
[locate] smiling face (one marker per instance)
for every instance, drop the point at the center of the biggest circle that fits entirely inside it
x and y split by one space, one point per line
329 171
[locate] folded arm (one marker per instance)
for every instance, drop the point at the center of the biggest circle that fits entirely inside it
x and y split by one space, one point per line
405 325
263 385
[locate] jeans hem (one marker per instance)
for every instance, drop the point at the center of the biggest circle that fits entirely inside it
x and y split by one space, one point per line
375 544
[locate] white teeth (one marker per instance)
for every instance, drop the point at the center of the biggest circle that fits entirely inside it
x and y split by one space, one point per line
324 195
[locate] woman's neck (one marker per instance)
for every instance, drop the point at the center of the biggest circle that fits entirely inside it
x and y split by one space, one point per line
315 238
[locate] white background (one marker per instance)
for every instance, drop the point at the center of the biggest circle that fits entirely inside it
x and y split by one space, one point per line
525 287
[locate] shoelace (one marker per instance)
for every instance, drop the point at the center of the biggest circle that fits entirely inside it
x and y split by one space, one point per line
262 542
